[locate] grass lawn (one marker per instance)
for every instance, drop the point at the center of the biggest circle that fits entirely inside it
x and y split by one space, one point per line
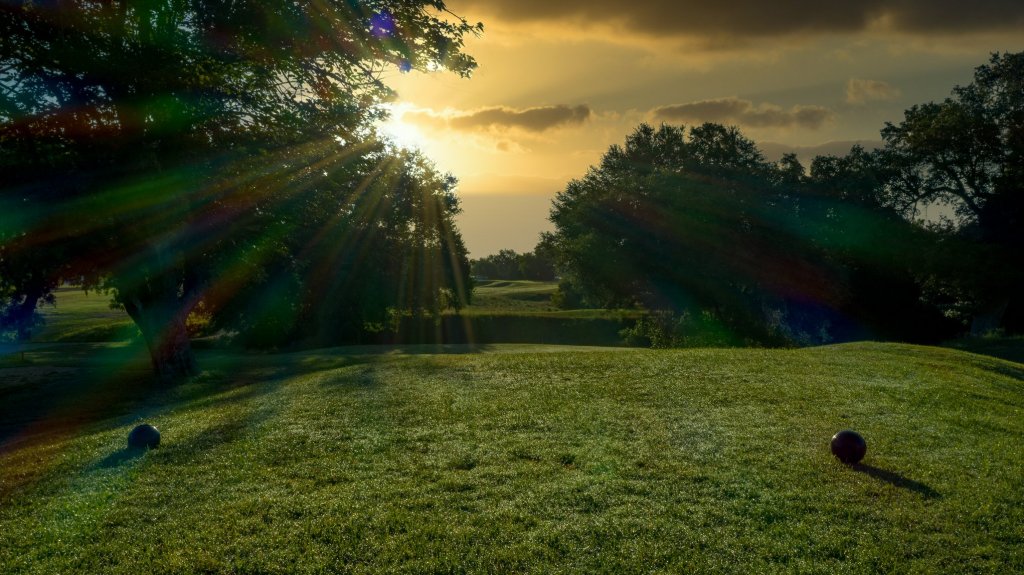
521 458
520 311
497 296
526 298
80 316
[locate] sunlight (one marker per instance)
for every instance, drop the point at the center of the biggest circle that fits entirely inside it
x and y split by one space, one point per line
402 133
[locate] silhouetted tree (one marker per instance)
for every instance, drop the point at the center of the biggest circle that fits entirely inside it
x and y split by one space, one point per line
348 268
538 265
177 142
967 153
502 265
693 223
700 228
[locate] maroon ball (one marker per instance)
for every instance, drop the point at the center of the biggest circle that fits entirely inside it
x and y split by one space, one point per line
849 447
144 436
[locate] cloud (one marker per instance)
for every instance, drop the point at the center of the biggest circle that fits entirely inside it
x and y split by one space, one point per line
744 113
746 18
500 118
860 91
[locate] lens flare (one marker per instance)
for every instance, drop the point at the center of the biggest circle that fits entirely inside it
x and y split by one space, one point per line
401 132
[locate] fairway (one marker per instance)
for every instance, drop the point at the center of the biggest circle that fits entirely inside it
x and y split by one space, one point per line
535 459
81 316
512 296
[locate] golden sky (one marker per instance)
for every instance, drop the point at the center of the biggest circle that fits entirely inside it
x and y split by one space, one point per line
561 80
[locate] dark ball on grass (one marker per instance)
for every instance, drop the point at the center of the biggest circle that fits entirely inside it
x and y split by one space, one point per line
849 446
143 436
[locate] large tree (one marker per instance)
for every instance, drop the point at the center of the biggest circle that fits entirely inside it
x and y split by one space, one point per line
154 144
374 239
689 221
966 153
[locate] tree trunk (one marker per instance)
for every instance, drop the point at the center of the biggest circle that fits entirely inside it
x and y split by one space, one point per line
26 314
164 330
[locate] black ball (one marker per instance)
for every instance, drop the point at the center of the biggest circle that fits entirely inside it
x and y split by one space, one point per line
143 436
849 446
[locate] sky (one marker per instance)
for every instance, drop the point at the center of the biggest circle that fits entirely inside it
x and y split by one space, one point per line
559 81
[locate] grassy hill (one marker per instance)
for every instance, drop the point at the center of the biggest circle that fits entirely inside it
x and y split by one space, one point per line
516 459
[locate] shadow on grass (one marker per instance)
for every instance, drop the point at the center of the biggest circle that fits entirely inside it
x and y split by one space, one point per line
53 399
1008 348
65 388
405 349
110 387
1009 371
898 480
118 458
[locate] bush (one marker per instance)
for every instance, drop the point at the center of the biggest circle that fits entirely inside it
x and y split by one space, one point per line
484 329
665 329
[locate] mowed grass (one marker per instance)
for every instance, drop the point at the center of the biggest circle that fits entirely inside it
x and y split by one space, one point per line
511 296
532 300
530 459
81 316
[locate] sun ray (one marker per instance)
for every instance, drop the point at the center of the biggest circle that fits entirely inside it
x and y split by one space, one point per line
401 132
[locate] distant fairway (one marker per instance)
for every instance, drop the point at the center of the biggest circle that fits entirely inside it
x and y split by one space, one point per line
80 316
522 458
496 296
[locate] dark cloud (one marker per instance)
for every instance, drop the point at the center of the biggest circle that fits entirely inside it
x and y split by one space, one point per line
744 113
743 18
860 91
497 118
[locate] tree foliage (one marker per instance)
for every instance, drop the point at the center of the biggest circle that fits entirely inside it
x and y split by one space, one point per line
376 238
169 149
537 265
698 227
964 151
967 153
697 224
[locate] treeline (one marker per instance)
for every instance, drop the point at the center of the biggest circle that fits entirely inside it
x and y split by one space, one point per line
724 247
538 265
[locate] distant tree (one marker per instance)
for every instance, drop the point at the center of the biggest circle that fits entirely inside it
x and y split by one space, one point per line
30 273
857 178
538 265
173 146
789 170
717 150
967 153
502 265
684 222
25 283
727 247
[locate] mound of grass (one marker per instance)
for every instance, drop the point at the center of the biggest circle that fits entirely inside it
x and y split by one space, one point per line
523 459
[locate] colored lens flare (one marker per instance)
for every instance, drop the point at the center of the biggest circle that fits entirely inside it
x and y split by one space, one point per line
382 25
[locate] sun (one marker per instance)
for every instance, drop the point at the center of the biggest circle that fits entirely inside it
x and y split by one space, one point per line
402 133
